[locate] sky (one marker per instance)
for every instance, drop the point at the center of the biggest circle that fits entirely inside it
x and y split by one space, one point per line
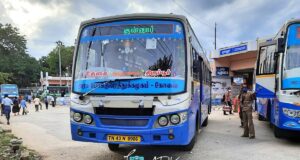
44 22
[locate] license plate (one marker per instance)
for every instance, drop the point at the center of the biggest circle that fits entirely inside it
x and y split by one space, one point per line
119 138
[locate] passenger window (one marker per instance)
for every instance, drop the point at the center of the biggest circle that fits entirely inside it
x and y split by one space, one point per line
266 64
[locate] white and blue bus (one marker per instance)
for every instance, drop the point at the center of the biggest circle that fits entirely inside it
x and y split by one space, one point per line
10 89
278 80
139 79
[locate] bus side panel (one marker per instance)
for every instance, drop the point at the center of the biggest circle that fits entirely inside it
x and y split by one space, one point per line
285 122
195 106
205 102
265 85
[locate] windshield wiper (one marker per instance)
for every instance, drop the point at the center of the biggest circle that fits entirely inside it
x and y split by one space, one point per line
81 97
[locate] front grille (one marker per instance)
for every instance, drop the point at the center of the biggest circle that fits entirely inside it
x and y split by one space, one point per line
124 122
124 111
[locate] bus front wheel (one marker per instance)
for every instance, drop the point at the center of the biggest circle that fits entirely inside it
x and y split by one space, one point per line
204 124
113 147
261 118
278 133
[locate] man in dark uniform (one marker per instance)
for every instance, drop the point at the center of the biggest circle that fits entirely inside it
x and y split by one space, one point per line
246 100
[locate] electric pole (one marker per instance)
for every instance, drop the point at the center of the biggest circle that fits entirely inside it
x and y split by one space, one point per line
215 36
59 43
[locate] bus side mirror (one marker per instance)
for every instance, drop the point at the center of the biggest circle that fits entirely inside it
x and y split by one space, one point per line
280 46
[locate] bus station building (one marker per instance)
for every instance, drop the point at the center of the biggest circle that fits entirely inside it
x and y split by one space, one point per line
232 66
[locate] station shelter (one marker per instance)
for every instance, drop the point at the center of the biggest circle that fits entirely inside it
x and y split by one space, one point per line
233 66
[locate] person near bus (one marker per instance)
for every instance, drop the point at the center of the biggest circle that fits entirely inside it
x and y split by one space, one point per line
227 101
16 108
239 105
247 98
7 103
52 101
37 103
1 106
29 98
23 106
46 102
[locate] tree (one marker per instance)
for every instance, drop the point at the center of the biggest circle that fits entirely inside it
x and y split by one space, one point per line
5 77
16 66
50 63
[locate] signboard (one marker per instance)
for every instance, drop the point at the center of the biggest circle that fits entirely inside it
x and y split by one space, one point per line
222 71
233 50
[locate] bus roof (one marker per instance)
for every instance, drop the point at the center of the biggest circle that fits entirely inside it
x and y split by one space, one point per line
284 27
135 16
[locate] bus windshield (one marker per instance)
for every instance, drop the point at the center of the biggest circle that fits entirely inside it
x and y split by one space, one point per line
152 50
291 69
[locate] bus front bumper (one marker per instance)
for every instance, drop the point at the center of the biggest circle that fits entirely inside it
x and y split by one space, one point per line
172 135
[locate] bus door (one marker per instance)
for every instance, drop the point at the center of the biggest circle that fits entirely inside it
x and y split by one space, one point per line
265 78
197 80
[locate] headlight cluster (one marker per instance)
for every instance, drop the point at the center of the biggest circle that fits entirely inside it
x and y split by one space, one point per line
291 112
172 119
81 118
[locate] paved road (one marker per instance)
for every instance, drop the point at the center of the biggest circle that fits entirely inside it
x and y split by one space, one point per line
48 132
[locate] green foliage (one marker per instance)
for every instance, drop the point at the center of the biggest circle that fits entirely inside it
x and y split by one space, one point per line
15 64
50 63
5 77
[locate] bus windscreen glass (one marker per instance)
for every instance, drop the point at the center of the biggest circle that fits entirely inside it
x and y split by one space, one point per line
291 67
152 50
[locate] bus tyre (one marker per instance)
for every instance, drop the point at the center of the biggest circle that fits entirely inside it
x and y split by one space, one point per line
204 124
189 146
278 133
113 147
260 117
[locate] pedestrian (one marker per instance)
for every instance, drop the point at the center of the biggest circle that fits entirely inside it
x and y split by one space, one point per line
46 102
6 102
37 102
54 100
16 108
239 105
227 100
247 98
23 106
29 98
1 106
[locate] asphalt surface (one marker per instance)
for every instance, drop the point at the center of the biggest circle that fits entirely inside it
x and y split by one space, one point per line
48 132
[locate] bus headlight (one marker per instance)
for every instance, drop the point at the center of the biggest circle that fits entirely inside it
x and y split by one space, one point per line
175 119
291 112
77 117
163 121
88 119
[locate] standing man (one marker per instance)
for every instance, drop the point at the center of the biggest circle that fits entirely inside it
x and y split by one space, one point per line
247 99
1 106
36 103
46 101
6 102
23 106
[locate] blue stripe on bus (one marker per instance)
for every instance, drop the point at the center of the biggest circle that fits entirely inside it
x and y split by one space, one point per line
291 83
140 86
263 92
285 121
